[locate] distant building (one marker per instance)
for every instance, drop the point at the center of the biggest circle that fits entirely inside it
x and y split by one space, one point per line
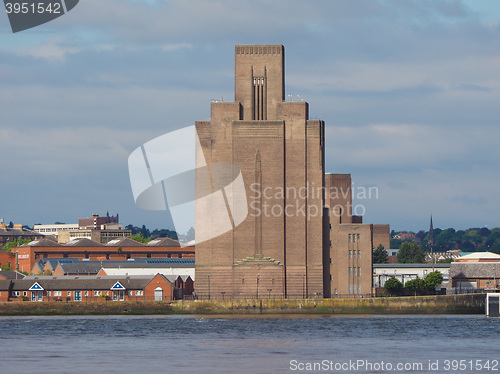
351 243
474 275
55 229
407 272
97 228
479 257
97 222
9 234
119 249
405 236
98 235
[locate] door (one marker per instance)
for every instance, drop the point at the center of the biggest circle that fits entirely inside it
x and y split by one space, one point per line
119 295
36 295
78 295
158 294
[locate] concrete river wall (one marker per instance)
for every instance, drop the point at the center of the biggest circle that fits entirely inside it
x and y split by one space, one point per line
442 304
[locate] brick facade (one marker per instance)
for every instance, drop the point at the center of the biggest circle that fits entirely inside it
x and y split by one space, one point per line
277 251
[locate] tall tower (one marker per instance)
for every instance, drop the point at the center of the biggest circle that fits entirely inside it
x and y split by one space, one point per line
278 250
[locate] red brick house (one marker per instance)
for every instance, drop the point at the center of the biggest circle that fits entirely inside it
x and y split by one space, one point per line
88 288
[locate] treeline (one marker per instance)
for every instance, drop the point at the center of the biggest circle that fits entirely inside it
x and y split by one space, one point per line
471 240
144 234
148 234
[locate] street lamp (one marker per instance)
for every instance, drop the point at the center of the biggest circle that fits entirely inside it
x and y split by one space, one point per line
208 286
304 286
494 278
258 275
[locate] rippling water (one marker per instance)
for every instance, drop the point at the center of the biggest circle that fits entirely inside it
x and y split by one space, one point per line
278 344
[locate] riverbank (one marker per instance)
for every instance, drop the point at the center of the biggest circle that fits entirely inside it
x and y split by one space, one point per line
442 304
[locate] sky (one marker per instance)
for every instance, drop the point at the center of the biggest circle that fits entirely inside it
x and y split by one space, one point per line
409 91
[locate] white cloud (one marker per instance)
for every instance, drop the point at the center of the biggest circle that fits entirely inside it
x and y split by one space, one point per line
53 50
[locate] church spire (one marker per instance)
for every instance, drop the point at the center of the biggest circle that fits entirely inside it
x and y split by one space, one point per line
431 235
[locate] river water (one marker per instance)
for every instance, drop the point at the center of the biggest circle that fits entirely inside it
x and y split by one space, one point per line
261 344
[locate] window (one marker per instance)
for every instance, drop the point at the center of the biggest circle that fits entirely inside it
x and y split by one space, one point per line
139 293
69 293
358 237
359 288
25 293
349 238
359 254
48 293
15 293
106 293
350 254
359 272
57 293
107 256
350 271
350 289
97 293
86 293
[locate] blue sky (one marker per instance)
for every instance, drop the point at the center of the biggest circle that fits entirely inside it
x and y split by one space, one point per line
408 89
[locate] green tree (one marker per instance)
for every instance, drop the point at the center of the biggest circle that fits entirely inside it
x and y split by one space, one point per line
433 279
395 243
15 243
411 252
140 238
380 255
393 286
415 285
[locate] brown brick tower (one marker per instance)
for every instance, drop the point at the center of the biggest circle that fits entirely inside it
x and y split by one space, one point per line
278 250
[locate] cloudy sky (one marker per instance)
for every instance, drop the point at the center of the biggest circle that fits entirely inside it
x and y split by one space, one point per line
409 91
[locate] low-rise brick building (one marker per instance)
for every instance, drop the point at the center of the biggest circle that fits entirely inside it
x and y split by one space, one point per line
118 250
90 288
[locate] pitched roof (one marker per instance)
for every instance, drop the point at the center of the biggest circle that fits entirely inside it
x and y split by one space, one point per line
481 256
83 242
82 267
124 242
17 232
11 274
474 270
163 242
42 243
151 263
88 282
53 262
